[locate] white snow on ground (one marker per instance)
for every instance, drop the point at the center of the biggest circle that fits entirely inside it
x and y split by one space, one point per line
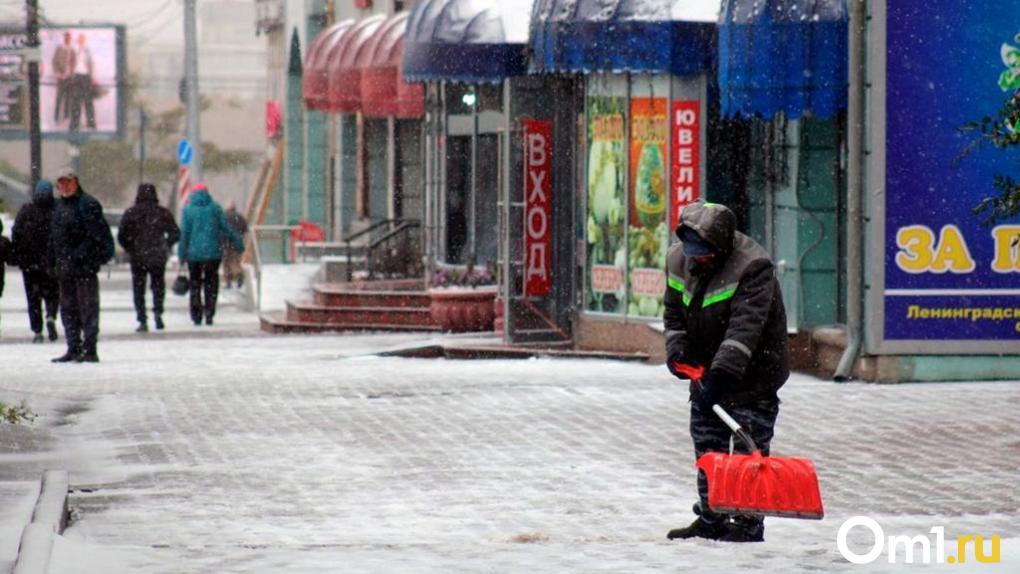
268 455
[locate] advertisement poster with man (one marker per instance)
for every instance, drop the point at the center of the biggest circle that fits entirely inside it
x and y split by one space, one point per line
78 80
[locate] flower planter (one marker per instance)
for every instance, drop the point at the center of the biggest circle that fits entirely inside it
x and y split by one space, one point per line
462 309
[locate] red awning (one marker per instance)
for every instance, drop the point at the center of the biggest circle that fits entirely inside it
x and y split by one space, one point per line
344 94
383 90
314 83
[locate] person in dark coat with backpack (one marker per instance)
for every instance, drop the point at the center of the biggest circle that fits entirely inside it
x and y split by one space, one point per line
31 238
81 242
725 333
147 233
203 223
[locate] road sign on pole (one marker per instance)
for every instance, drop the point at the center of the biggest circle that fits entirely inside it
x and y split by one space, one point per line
185 151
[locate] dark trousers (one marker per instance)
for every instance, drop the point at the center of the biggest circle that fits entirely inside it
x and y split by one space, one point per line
80 93
79 311
710 434
140 273
41 288
203 280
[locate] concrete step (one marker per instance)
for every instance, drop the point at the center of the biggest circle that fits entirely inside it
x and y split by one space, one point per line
310 312
279 324
353 298
414 284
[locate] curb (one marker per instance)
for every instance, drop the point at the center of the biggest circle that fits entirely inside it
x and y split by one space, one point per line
49 517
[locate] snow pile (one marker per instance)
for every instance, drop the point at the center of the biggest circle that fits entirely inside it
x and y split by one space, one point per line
283 282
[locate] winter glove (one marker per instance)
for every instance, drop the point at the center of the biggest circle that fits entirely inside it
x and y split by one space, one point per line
706 390
682 367
686 371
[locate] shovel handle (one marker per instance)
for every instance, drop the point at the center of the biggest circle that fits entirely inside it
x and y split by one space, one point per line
735 427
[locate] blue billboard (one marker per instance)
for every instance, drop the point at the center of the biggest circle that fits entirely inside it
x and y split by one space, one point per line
948 278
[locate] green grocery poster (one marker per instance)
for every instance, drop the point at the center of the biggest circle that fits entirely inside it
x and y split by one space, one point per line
607 251
647 235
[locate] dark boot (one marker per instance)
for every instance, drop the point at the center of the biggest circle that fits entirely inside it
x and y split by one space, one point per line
87 358
68 357
143 327
744 529
51 329
700 528
159 322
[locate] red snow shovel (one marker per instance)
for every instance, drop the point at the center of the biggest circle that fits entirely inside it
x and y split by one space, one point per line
757 484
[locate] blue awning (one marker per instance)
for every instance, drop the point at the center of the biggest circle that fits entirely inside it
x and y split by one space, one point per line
474 41
785 56
655 36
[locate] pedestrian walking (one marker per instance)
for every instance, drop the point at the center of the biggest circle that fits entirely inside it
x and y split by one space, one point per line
202 225
81 243
6 256
147 233
31 238
724 313
232 271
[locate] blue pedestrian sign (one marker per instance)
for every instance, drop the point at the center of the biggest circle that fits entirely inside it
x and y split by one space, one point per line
184 152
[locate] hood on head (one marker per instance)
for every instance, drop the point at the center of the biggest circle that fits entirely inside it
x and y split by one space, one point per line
713 222
200 195
43 196
146 195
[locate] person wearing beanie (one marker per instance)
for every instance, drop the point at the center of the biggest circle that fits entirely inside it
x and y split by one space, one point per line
81 243
147 233
30 236
726 334
202 225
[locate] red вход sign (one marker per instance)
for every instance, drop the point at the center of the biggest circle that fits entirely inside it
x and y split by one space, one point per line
538 207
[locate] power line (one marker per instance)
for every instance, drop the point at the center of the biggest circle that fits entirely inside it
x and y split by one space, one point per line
151 15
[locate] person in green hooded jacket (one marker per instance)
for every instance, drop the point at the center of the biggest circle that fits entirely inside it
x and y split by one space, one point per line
203 224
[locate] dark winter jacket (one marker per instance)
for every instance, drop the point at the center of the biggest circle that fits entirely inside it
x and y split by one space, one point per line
202 225
31 231
236 222
729 316
147 230
81 240
6 255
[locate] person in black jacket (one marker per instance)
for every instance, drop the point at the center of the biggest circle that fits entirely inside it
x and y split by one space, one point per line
30 236
81 243
147 232
724 317
6 256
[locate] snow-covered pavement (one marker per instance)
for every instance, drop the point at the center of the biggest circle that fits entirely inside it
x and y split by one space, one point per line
247 453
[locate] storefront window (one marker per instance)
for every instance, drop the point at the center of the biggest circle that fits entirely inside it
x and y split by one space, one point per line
647 232
628 187
607 164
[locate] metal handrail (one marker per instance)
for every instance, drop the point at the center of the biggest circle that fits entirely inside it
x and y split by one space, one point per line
371 244
257 256
402 226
